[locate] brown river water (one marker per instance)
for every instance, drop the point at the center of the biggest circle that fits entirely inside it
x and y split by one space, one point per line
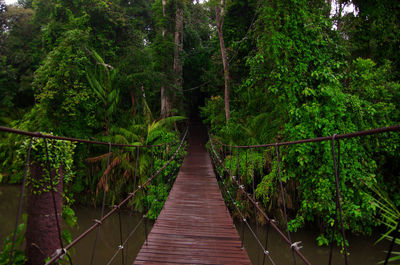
362 248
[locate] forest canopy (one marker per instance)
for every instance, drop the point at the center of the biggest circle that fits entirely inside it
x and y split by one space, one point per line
254 71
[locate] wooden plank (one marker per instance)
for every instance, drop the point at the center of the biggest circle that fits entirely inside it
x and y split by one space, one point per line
194 226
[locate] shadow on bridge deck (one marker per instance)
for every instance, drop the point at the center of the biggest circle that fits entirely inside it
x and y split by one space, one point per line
194 226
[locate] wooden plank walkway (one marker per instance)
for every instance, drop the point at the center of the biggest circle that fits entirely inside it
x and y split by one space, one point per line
194 226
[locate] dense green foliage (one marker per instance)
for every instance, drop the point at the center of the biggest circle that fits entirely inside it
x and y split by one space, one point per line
95 69
87 69
19 256
306 80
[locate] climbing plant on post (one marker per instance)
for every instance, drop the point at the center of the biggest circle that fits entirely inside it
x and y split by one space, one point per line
50 169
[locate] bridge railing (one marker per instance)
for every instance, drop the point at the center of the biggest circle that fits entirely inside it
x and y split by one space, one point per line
63 251
219 152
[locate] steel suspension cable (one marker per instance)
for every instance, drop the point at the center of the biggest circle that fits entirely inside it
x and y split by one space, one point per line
334 228
266 240
102 204
97 223
51 179
254 197
269 220
21 197
336 164
283 199
244 221
121 246
70 139
333 236
394 128
125 242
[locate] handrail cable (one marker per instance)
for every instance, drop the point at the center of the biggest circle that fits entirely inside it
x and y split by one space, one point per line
70 139
255 203
393 128
102 204
244 220
62 251
336 162
56 256
336 165
283 198
121 247
21 197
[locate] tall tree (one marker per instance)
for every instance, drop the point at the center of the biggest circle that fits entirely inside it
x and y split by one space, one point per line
219 17
165 97
374 32
178 47
19 57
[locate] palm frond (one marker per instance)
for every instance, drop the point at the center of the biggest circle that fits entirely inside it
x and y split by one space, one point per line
165 123
102 182
97 158
96 87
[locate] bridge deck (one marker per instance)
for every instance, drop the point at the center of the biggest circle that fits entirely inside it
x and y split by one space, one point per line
194 226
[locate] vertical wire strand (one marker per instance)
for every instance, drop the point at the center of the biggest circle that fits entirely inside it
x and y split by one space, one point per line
254 198
127 240
121 246
53 196
134 187
336 164
21 197
333 235
266 241
269 222
102 206
243 227
283 199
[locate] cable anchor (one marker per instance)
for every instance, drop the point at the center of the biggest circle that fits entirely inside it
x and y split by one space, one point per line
296 245
61 251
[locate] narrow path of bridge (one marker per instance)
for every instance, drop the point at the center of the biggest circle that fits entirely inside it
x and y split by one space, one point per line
194 226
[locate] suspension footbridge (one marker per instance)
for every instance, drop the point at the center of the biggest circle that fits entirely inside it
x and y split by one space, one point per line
195 226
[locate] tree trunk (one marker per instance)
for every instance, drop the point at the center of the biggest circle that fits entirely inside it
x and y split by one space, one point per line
164 5
165 97
178 48
219 15
41 233
165 103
